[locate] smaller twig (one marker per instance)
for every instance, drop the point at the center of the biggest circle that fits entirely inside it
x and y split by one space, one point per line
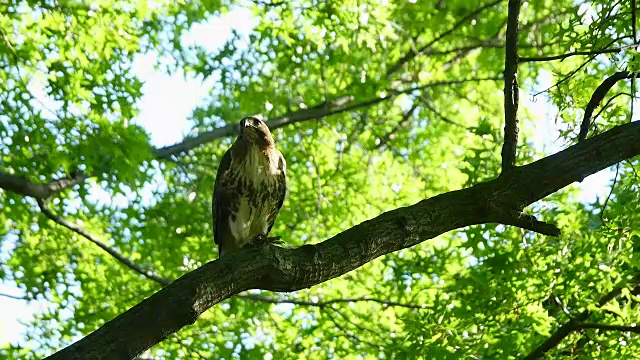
465 20
575 71
269 4
9 45
14 297
567 77
524 59
578 347
428 106
121 258
326 302
444 83
348 333
562 306
597 97
461 54
403 123
633 170
318 173
361 328
606 201
606 105
472 130
17 59
607 327
529 222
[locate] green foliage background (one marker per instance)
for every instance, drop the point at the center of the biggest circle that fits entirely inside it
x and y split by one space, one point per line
481 292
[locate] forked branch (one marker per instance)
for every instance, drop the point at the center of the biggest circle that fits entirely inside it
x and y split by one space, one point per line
23 186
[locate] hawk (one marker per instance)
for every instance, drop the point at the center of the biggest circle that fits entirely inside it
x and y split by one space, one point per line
249 189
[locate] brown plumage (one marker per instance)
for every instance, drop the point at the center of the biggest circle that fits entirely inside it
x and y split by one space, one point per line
250 188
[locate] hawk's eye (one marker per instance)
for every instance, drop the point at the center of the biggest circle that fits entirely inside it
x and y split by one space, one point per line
256 122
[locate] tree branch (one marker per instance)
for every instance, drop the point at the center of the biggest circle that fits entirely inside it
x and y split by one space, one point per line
164 282
529 222
577 322
14 297
285 270
269 4
87 235
442 117
344 332
511 91
327 302
337 106
596 99
606 327
525 59
22 186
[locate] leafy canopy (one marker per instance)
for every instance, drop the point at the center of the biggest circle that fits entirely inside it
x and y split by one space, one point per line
412 93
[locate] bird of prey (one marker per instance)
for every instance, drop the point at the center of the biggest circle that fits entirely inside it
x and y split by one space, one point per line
249 189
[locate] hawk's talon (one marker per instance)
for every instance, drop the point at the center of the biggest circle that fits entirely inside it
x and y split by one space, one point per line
275 240
261 239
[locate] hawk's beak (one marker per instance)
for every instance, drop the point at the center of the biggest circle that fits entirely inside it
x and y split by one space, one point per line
244 124
246 127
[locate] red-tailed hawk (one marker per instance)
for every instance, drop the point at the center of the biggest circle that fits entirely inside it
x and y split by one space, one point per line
249 189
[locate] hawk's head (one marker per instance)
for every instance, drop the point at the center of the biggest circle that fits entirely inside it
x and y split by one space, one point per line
256 131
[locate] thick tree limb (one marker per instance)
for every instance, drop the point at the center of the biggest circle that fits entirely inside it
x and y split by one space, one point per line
87 235
22 186
337 106
511 90
277 269
597 97
151 275
577 322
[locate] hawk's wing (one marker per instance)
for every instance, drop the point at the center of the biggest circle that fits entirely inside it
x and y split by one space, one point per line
220 206
280 191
